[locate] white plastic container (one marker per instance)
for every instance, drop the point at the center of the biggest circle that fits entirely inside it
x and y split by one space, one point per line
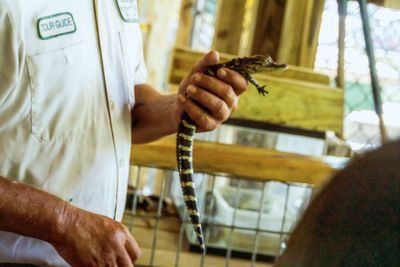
248 222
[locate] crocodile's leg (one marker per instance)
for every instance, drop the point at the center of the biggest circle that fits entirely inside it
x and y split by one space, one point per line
260 89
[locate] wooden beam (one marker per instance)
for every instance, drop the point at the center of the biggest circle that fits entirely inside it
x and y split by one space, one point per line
293 103
236 160
184 58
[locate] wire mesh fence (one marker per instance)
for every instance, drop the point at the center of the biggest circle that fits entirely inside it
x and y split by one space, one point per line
246 222
361 126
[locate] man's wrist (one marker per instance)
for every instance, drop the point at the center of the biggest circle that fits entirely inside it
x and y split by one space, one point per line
175 112
59 223
155 115
32 212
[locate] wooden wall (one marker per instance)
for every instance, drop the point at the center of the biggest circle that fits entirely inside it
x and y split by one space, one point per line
285 29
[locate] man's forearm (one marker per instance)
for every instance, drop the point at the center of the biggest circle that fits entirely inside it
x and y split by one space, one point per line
31 212
34 213
153 116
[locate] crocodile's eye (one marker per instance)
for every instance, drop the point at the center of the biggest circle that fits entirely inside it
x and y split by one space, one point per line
268 59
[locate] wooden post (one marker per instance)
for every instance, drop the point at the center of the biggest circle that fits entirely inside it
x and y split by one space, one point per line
268 28
342 8
249 26
229 26
186 20
161 16
300 32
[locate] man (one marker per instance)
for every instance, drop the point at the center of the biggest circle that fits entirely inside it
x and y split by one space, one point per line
72 100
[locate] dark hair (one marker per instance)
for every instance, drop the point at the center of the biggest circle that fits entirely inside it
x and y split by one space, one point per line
354 220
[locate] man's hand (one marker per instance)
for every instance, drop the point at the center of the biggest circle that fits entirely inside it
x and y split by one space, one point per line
93 240
82 238
207 100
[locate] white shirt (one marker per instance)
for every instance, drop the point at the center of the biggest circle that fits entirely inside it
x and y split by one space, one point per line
67 75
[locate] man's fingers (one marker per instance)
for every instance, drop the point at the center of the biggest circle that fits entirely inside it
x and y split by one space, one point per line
133 249
201 118
215 105
210 58
210 100
217 87
237 81
124 260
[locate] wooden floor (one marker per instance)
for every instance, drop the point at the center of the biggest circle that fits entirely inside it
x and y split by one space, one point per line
167 244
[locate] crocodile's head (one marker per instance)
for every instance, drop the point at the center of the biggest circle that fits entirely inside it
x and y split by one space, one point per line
260 63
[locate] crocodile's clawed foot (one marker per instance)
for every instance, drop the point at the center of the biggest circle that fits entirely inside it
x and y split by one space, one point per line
262 91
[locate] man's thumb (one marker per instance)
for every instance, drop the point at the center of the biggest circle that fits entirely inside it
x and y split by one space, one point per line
208 59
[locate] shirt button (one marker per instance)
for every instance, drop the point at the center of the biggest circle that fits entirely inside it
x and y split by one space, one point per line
112 105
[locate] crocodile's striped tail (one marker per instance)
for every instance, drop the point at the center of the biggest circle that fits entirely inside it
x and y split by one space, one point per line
184 147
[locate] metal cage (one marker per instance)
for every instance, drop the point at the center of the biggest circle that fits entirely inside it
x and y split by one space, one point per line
236 233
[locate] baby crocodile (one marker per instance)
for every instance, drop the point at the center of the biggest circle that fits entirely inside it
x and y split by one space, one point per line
187 128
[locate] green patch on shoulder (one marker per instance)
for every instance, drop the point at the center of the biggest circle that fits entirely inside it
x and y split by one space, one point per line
56 25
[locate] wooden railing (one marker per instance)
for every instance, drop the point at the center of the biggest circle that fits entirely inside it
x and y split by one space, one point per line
236 160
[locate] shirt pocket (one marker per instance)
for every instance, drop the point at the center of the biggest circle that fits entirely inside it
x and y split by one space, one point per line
61 92
130 59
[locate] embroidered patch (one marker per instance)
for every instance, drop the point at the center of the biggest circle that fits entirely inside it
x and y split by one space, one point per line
128 10
56 25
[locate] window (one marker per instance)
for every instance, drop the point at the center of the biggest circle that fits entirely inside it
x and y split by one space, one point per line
361 123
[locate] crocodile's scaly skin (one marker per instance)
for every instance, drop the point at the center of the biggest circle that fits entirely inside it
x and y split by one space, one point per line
187 129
